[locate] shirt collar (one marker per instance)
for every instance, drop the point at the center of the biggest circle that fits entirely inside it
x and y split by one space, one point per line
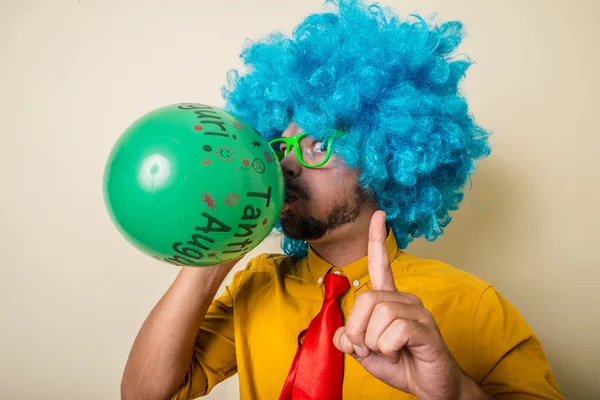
357 272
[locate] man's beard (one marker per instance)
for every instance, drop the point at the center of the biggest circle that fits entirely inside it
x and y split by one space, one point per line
307 228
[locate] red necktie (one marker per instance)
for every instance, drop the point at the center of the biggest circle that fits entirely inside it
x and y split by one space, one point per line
317 369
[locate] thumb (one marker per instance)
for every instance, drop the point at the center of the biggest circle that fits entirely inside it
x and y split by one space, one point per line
343 344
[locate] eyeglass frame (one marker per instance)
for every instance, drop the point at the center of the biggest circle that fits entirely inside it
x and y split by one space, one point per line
294 142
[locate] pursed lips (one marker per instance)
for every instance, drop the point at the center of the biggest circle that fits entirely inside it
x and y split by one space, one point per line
292 195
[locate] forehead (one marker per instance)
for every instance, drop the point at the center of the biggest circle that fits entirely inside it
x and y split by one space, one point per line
292 130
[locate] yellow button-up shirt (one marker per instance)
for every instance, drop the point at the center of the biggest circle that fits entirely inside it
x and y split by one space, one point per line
252 328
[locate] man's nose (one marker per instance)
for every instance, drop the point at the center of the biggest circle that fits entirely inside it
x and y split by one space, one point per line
290 166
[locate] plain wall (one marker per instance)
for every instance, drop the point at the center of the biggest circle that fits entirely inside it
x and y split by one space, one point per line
74 74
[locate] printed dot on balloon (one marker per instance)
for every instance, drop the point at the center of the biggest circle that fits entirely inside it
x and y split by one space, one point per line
207 148
212 255
246 162
198 127
235 137
265 221
232 199
268 157
238 125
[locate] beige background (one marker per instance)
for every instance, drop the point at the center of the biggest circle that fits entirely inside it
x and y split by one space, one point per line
74 74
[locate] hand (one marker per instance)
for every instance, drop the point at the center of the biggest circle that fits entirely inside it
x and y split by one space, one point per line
393 336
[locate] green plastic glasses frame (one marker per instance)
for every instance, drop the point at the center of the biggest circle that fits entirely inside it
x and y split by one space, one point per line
294 142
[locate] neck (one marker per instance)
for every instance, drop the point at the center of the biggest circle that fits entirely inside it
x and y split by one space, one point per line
346 244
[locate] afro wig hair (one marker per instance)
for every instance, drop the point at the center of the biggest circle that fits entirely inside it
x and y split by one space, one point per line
392 86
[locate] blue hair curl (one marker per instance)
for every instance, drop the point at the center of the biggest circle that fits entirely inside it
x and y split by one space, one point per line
391 86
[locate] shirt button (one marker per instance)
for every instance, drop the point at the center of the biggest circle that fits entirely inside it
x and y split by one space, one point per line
356 283
337 273
320 280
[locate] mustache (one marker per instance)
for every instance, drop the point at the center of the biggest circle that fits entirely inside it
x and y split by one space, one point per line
297 191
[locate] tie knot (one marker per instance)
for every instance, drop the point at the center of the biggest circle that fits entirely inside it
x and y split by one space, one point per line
335 285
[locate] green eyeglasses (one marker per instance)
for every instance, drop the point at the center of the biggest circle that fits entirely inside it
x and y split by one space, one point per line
310 153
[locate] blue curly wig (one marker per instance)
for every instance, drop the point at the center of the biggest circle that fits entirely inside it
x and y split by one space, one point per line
392 86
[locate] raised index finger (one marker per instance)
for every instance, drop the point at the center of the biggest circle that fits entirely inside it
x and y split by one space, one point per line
380 269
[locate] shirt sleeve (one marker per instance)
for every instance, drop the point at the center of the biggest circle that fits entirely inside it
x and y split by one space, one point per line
214 358
508 358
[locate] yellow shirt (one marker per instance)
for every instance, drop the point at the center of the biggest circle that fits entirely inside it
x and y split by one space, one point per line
252 329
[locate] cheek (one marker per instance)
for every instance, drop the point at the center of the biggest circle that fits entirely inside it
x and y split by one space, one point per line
343 175
344 179
332 188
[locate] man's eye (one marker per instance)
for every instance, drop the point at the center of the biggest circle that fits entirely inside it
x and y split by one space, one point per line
320 147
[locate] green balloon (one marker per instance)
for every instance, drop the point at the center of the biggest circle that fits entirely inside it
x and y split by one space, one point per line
190 184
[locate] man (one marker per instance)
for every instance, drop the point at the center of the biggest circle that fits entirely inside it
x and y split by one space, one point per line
375 144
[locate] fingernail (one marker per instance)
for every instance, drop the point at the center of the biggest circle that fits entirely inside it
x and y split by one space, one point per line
360 351
344 342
